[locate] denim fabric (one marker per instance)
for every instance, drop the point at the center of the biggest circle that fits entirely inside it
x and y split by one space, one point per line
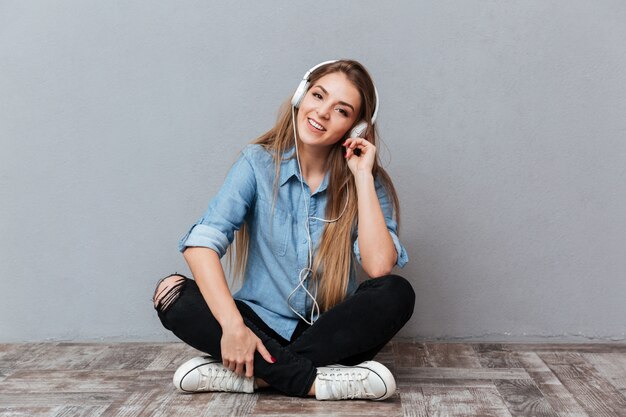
353 331
278 247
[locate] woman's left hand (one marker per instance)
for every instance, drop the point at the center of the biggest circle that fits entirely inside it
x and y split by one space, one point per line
363 162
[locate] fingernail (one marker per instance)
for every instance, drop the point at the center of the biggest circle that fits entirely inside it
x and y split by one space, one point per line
273 359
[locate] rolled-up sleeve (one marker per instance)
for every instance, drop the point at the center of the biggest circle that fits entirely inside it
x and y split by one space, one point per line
226 211
392 226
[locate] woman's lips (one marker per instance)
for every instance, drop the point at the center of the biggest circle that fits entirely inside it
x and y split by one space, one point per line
314 126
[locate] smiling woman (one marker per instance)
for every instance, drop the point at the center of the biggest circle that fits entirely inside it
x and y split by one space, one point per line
302 204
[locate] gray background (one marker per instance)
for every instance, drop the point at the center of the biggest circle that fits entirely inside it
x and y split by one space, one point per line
502 122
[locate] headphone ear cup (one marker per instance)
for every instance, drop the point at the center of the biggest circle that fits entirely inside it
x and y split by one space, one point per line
299 94
358 130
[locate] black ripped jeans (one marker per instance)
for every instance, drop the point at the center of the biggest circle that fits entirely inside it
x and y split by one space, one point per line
353 331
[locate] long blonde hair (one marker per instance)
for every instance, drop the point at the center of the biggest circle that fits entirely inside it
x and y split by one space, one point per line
331 265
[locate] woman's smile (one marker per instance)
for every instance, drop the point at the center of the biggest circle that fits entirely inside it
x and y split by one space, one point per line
316 127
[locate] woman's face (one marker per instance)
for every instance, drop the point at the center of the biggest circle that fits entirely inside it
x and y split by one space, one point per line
329 108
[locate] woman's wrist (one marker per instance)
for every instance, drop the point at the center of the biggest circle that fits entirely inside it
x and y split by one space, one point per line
363 178
232 323
230 318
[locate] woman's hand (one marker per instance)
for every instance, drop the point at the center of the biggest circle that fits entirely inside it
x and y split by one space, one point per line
363 162
238 345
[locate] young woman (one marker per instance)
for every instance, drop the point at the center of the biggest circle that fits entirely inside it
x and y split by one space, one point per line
302 203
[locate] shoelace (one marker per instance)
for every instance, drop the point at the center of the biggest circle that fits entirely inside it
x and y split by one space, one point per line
347 384
220 379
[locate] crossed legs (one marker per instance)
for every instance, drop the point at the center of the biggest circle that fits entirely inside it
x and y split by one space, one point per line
351 332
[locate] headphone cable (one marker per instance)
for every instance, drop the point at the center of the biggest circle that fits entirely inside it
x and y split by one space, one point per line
315 309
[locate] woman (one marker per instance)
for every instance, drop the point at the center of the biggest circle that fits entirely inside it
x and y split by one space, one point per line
299 323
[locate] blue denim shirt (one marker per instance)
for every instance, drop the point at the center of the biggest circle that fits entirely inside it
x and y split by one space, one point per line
278 247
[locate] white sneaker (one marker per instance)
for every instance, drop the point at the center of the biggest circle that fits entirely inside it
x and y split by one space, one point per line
205 373
369 380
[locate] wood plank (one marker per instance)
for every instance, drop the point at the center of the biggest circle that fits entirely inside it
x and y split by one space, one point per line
616 347
553 391
136 403
18 355
413 402
562 358
452 355
186 405
231 405
463 402
407 378
63 356
411 382
26 411
79 411
523 398
407 373
497 356
272 403
596 395
4 372
611 366
411 354
57 399
173 403
94 381
127 356
171 356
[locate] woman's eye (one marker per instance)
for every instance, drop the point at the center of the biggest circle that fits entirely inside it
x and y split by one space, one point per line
342 111
317 95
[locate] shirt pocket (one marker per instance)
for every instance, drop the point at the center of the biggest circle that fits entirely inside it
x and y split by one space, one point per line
274 229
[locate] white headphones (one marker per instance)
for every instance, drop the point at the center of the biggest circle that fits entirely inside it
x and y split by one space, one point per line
358 130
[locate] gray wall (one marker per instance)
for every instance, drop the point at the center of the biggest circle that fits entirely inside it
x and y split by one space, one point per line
503 126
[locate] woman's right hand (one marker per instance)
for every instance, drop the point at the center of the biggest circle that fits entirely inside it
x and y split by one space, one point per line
238 342
238 345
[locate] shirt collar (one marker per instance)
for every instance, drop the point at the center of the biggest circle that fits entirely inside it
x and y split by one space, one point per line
289 168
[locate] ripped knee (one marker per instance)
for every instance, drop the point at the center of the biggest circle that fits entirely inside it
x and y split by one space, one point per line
167 291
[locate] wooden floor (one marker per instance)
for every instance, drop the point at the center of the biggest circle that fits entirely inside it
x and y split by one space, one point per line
456 379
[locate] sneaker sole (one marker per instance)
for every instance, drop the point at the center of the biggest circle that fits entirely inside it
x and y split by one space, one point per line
383 373
188 367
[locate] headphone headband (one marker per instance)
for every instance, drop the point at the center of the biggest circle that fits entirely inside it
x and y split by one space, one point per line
308 73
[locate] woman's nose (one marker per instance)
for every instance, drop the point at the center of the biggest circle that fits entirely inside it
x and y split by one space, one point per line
323 111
